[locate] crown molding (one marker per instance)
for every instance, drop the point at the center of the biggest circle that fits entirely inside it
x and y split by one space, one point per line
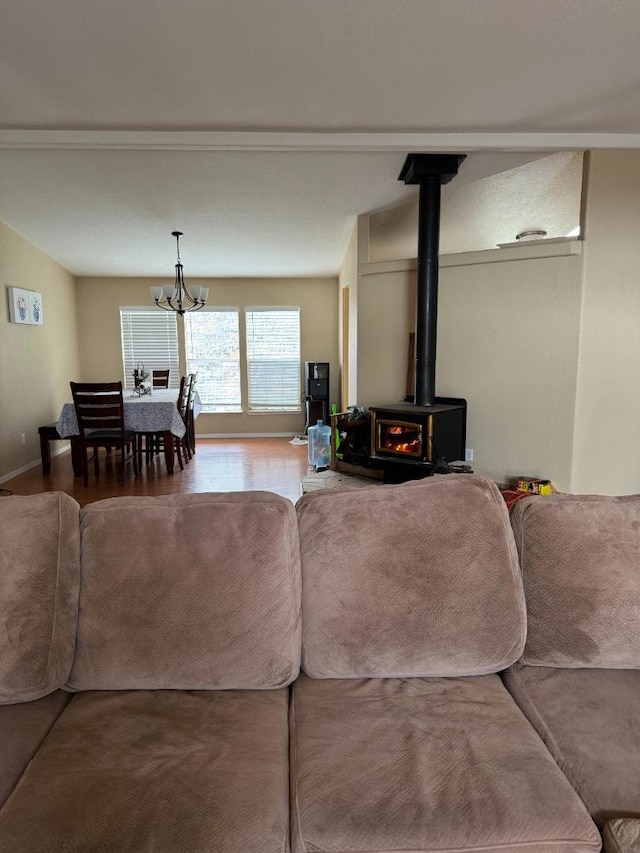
293 141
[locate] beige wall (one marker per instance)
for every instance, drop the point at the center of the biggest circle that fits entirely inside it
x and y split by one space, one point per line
348 278
607 433
508 337
386 311
36 362
508 342
99 301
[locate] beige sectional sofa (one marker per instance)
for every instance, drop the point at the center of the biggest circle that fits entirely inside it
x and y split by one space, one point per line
153 700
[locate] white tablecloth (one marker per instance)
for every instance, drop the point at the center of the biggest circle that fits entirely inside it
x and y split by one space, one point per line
157 412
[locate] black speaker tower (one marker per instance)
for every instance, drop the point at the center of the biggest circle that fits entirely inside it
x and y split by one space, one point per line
316 392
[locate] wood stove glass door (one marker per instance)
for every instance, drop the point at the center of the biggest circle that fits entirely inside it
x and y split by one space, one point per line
400 438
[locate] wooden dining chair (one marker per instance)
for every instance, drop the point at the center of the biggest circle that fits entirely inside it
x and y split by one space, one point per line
181 445
191 421
154 441
160 378
100 413
150 441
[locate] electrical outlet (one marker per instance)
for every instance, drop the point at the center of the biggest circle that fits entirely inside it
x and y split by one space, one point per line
23 438
468 454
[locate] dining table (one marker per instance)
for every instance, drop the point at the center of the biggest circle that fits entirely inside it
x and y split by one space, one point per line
155 412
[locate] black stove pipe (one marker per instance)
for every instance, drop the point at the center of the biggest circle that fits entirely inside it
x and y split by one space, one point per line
427 289
430 171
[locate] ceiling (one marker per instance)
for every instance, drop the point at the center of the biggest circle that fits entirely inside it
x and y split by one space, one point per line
262 130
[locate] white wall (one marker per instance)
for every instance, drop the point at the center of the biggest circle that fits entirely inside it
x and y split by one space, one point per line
607 433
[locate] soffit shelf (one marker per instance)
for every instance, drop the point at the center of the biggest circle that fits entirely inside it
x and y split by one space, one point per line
532 250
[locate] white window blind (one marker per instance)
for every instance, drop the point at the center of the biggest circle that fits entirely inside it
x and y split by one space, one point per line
273 359
212 340
149 336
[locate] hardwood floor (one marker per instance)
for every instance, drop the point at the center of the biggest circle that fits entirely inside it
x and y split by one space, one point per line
220 465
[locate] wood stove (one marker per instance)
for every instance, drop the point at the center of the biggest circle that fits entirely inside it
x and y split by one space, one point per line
418 436
414 439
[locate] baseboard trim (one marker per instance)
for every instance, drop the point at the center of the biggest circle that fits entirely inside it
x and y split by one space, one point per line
34 464
246 435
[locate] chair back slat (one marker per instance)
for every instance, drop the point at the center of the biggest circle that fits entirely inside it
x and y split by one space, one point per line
160 378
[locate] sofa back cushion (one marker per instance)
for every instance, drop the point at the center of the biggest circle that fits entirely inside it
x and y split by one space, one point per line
580 557
188 592
39 583
419 579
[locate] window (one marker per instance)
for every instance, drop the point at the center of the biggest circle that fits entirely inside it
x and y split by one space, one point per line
273 359
151 337
212 341
213 350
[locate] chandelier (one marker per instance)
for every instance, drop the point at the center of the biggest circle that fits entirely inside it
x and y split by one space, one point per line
176 297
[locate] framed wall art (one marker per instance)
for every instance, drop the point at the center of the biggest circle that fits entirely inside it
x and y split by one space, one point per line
35 308
25 306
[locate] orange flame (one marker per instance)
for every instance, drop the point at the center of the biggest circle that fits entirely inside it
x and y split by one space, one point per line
401 446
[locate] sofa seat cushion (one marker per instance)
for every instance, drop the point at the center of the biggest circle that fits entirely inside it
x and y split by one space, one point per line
23 727
157 772
39 585
425 765
589 720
